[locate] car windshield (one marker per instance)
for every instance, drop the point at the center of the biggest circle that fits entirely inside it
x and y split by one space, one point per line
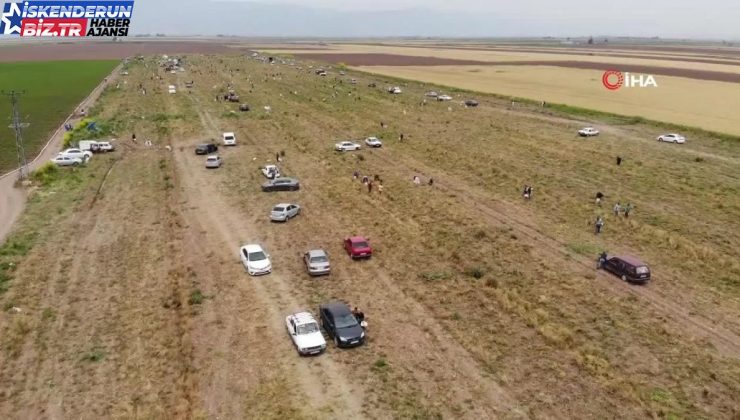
345 321
278 209
359 244
257 256
642 270
307 328
319 259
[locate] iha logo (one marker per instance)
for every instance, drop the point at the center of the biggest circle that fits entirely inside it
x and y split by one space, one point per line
613 80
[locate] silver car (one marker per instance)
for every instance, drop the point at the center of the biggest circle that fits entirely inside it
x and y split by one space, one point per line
284 211
214 161
317 262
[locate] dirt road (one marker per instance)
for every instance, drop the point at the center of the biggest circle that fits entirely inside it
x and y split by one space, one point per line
12 199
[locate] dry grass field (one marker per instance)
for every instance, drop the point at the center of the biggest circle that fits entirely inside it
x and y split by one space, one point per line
690 88
132 301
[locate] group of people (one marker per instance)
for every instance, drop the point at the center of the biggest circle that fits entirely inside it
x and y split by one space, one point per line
417 180
626 209
367 182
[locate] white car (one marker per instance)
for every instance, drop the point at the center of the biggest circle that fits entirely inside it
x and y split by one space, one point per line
214 162
373 142
270 171
66 161
305 333
346 145
76 153
588 132
229 139
431 94
672 138
444 98
106 146
256 261
394 90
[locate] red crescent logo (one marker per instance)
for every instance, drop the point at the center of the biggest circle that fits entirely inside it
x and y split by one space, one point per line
612 85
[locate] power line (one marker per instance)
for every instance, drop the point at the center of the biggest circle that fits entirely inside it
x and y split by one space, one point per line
18 127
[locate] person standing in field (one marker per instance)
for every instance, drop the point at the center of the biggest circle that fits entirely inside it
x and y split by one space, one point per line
380 187
619 160
617 209
599 224
627 210
370 187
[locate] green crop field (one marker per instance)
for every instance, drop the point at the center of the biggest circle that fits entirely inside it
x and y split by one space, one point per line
52 90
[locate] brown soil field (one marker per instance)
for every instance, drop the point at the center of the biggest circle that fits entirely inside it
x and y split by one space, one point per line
124 296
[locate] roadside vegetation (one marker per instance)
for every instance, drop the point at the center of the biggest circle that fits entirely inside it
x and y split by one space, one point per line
51 91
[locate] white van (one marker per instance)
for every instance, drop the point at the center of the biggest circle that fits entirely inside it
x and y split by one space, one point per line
229 139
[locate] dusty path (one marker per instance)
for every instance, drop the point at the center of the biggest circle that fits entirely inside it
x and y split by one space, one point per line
12 199
227 232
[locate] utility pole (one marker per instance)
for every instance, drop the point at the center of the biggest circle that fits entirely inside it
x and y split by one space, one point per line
18 126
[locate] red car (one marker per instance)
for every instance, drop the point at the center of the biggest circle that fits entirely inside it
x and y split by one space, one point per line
358 247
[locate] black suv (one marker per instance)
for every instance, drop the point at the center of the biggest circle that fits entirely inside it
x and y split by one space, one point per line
341 325
205 149
628 268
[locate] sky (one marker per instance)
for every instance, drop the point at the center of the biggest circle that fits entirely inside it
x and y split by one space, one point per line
705 19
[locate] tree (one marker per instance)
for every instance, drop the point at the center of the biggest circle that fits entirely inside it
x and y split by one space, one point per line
590 40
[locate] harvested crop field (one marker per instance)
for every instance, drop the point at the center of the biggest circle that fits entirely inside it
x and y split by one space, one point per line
92 50
368 60
480 304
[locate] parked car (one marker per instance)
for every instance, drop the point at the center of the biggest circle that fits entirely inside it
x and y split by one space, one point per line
281 184
628 268
103 146
672 138
373 142
346 145
61 160
317 262
205 149
444 98
358 247
394 90
229 139
305 333
588 132
431 94
214 162
284 211
471 103
341 325
255 260
270 171
76 153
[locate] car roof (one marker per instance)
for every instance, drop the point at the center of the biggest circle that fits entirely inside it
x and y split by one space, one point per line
629 259
252 248
302 318
357 238
282 205
228 133
337 307
317 253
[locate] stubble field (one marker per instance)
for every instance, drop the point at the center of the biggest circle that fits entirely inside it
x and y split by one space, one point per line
480 305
